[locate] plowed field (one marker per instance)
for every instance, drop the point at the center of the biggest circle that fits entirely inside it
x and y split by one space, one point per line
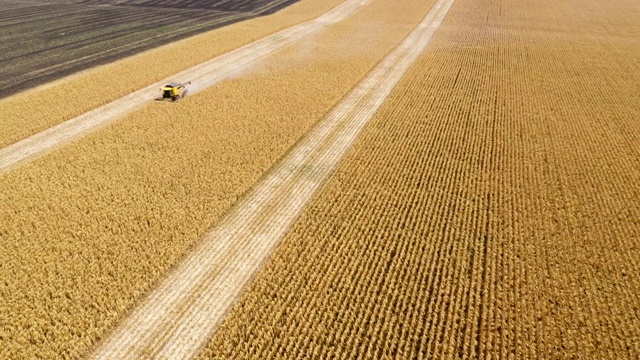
45 40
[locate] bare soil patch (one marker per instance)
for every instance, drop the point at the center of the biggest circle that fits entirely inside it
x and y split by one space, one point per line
44 40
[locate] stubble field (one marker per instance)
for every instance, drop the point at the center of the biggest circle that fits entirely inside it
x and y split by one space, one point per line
46 40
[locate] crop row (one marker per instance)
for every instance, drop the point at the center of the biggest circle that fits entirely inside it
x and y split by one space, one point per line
88 229
490 210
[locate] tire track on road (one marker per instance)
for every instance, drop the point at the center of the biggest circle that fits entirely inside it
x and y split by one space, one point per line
179 316
207 73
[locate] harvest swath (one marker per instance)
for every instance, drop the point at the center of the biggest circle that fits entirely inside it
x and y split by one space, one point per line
45 40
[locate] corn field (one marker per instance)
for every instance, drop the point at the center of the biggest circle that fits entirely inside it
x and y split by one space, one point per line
128 201
489 209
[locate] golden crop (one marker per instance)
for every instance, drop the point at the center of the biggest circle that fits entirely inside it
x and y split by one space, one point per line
489 211
89 228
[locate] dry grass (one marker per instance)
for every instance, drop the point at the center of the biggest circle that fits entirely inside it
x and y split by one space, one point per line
490 211
88 229
37 109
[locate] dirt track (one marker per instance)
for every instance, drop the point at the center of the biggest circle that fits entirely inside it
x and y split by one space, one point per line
203 75
177 318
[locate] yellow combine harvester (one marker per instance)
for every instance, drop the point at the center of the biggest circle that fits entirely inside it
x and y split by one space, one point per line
174 91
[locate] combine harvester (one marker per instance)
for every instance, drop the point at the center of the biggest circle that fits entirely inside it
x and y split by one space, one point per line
174 91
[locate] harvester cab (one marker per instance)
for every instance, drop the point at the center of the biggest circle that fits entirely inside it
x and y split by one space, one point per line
174 91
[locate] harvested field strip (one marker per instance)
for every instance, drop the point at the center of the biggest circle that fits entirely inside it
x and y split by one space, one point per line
236 5
204 75
36 51
97 45
488 211
123 205
178 317
132 33
38 109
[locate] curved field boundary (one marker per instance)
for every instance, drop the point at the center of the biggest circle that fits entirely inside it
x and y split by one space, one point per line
178 317
207 74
